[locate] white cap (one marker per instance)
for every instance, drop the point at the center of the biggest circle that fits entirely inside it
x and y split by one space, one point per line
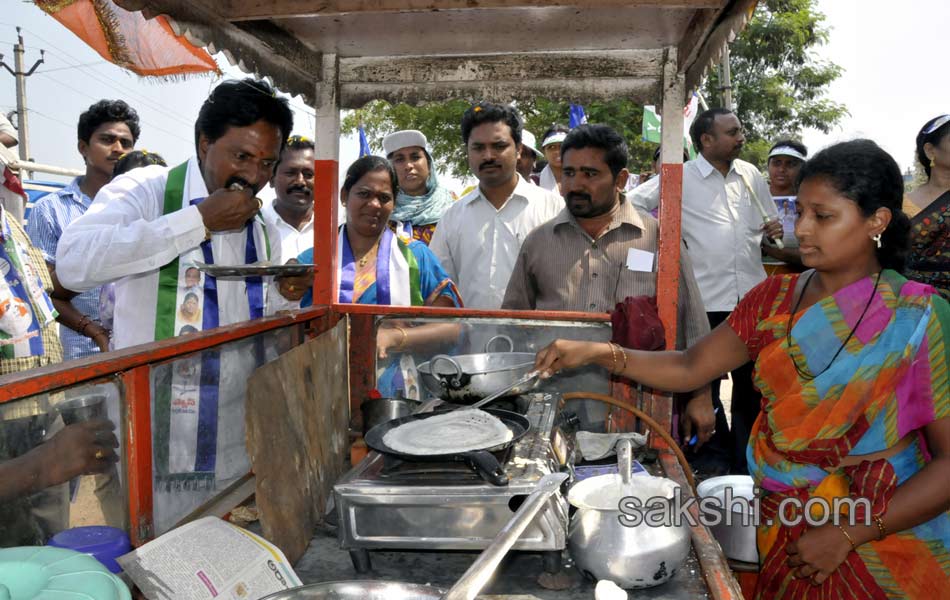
787 151
555 138
404 139
528 141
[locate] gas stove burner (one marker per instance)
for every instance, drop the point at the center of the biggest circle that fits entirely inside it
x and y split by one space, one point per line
396 470
388 503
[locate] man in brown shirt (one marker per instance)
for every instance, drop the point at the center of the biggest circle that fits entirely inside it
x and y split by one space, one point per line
601 249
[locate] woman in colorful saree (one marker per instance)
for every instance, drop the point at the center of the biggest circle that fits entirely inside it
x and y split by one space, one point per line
928 207
852 362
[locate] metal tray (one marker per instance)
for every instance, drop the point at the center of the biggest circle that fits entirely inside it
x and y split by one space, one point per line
291 270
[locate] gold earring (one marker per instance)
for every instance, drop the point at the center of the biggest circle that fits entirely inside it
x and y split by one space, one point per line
931 162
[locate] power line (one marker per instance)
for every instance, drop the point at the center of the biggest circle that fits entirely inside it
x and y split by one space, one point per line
105 79
46 116
150 125
133 95
98 62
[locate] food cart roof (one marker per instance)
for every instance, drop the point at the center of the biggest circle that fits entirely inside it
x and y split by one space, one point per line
426 50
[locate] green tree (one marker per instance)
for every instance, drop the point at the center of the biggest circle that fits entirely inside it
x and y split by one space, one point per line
440 123
779 85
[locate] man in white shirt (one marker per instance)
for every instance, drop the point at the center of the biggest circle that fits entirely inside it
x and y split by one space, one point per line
723 229
479 237
289 218
147 230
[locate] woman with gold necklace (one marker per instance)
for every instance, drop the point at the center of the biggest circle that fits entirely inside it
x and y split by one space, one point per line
377 265
852 361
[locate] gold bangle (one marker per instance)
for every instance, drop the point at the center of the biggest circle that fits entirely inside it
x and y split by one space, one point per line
405 337
613 355
882 530
623 353
848 535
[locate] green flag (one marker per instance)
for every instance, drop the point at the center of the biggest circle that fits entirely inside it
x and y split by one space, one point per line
652 128
651 125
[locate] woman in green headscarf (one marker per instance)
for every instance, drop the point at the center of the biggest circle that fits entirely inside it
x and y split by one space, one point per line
422 200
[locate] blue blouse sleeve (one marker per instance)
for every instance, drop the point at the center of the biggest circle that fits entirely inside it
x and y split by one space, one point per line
431 273
306 257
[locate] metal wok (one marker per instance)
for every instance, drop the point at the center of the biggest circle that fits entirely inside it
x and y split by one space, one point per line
482 460
466 588
468 378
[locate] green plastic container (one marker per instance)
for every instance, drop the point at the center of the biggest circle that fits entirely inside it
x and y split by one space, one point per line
48 573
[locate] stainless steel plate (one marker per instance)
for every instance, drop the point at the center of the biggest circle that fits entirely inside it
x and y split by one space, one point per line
291 270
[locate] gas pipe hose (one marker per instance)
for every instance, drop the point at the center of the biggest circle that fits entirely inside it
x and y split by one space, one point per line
653 425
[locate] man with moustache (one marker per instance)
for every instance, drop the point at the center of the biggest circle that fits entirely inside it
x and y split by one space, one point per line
144 230
723 229
289 219
601 249
478 238
203 210
106 130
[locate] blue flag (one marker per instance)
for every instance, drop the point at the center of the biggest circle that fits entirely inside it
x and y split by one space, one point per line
577 116
364 145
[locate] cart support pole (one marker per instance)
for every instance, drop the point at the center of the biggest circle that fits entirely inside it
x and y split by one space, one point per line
671 190
326 180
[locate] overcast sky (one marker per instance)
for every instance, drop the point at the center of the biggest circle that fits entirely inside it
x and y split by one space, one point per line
894 60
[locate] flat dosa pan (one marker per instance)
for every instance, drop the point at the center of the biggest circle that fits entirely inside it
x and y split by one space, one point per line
481 460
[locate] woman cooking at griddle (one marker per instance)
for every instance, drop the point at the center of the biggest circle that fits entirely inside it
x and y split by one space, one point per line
853 363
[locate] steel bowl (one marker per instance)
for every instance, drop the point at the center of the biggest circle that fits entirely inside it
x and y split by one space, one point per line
468 378
377 411
736 529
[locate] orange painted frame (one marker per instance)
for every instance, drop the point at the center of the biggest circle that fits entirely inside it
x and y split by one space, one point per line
133 367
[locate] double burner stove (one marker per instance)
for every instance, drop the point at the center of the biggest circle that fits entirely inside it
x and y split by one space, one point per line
388 503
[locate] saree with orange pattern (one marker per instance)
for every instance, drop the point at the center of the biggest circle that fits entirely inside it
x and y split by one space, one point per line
858 371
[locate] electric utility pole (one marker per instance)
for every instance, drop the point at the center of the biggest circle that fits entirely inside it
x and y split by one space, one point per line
23 129
725 78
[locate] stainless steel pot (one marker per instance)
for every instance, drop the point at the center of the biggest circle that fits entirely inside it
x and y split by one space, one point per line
468 378
382 410
466 588
735 531
632 555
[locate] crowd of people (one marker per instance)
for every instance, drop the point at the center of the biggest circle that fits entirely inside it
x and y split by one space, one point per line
839 365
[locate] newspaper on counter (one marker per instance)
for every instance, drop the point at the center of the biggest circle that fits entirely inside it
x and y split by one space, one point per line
209 558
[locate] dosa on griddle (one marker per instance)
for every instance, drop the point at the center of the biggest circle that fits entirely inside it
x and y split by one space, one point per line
450 433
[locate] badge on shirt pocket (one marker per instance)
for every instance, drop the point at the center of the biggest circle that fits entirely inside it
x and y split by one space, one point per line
640 260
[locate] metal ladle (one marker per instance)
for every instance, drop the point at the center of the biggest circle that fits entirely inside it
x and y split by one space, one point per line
496 395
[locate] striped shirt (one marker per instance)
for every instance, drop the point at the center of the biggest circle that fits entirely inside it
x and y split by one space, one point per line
561 267
50 216
52 350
